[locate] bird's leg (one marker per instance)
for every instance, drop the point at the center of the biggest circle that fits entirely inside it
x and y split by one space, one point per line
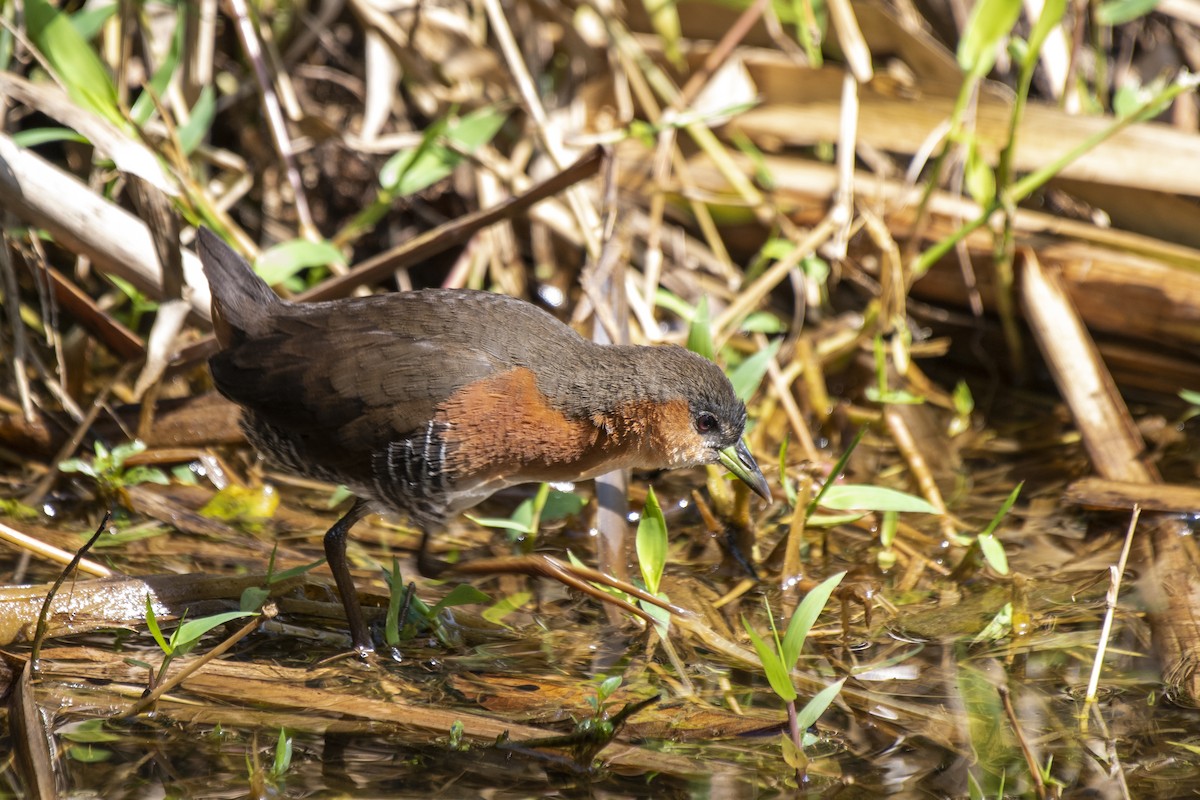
335 554
539 565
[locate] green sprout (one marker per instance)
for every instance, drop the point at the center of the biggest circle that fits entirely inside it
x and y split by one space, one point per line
780 657
108 470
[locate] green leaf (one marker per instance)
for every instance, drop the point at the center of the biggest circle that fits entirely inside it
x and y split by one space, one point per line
607 687
284 260
1116 12
84 74
1005 507
652 543
666 299
88 21
803 618
143 108
989 545
505 606
964 402
998 627
77 465
461 595
1189 396
814 708
664 18
36 136
990 21
140 475
699 332
294 571
86 754
749 374
763 322
789 486
661 617
92 730
247 504
190 632
192 133
993 553
888 526
851 496
339 496
283 754
501 523
252 598
777 249
776 672
978 176
409 171
562 505
1051 16
155 631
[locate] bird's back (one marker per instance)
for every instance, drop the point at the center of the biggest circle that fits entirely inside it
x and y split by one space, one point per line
349 390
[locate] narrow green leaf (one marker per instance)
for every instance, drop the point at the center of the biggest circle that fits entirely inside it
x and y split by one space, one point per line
391 618
89 731
155 631
661 617
1117 12
501 523
1051 16
652 543
88 754
410 171
666 299
89 20
562 505
192 133
978 176
476 129
664 18
252 598
803 618
749 374
143 108
1005 507
990 21
37 136
851 497
190 632
699 332
284 260
814 708
993 553
998 627
283 754
763 322
776 672
789 486
505 606
294 571
461 595
73 59
525 513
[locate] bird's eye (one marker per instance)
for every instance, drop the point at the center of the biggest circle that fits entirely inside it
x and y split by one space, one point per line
706 423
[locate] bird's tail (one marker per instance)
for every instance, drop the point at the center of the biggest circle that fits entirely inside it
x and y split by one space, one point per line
242 303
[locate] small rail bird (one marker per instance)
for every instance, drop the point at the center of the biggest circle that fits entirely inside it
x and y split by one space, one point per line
427 402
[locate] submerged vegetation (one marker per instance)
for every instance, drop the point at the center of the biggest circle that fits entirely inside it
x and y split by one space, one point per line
949 261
